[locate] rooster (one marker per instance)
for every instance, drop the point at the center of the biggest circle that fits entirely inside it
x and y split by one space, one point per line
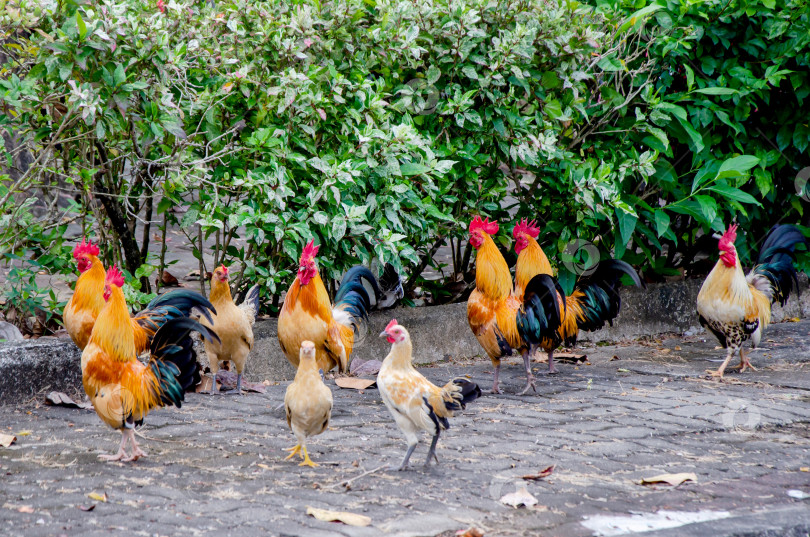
121 388
308 315
500 320
415 403
595 299
308 403
736 307
87 302
233 324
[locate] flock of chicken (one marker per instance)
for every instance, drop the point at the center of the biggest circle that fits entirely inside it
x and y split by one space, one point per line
316 336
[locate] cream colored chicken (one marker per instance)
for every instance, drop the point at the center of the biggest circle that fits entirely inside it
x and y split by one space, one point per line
416 403
308 403
233 324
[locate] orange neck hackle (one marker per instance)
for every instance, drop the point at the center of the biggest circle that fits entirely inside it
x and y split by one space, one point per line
113 329
492 275
220 290
531 261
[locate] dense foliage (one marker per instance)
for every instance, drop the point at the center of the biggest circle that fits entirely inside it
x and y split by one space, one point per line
380 127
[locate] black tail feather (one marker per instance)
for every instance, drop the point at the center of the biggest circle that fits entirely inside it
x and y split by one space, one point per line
352 294
469 391
174 361
539 318
602 301
390 287
776 260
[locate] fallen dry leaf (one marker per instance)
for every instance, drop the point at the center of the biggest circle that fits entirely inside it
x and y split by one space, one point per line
25 509
87 508
23 433
622 370
263 466
350 519
62 399
804 469
793 320
670 479
471 532
545 472
570 357
614 358
7 439
518 498
355 383
98 497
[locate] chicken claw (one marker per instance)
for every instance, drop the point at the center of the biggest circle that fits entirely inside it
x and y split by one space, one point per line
307 460
293 452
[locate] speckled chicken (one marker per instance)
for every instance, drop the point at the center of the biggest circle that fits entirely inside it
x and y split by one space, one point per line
736 307
416 403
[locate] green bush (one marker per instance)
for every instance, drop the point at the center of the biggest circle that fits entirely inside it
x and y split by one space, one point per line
378 126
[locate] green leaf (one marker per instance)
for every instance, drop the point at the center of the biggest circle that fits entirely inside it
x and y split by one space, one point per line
81 25
338 228
627 224
610 64
436 213
736 166
735 194
639 16
413 168
697 139
662 221
119 76
708 208
716 91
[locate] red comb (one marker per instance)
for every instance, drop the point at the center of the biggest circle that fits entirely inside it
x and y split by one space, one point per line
391 325
114 276
85 248
529 228
224 268
310 251
728 237
490 228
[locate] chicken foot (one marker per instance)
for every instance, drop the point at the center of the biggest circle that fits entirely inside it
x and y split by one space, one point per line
529 376
127 437
745 363
719 372
407 458
432 450
296 450
307 460
551 369
495 389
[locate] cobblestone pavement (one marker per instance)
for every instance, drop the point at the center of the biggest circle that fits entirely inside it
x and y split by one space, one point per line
216 467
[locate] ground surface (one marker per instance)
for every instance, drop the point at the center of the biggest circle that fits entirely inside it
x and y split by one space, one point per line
216 468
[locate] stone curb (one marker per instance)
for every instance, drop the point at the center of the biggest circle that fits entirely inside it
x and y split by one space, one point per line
439 333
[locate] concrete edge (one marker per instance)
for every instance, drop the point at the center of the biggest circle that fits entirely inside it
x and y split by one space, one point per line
439 333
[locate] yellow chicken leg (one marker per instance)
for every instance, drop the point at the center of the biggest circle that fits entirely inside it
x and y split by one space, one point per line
745 363
307 460
293 452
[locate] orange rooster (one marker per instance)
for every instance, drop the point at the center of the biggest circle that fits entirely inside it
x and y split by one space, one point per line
416 403
500 320
308 315
736 307
87 302
122 389
595 299
234 326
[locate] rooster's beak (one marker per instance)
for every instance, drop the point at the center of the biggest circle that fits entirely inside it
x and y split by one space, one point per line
717 236
384 334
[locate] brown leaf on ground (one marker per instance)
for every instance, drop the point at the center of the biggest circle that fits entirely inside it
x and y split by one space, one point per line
520 497
62 399
670 479
570 357
471 532
545 472
7 439
227 381
355 383
87 507
25 509
350 519
204 385
168 279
